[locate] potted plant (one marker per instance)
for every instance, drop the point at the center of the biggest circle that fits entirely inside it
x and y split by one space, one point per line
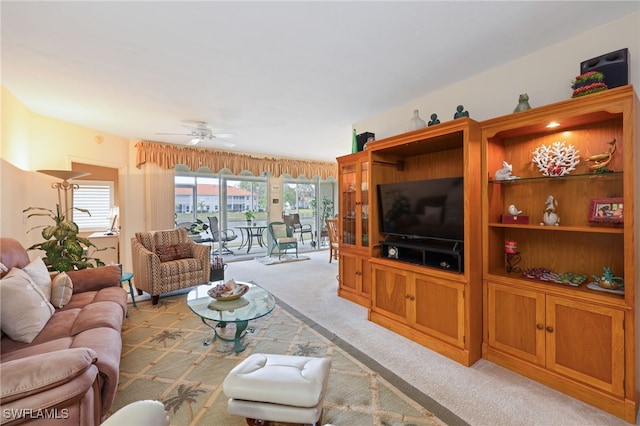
198 227
249 215
64 249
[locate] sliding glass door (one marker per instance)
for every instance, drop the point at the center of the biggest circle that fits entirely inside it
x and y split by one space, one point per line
236 200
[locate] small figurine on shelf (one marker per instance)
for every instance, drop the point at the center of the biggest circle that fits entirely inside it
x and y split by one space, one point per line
523 103
505 172
513 210
460 112
608 281
601 161
550 217
434 120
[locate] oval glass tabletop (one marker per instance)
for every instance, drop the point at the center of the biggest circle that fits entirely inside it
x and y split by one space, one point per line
255 303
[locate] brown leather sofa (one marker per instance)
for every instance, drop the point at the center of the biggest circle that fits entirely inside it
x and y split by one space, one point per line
69 373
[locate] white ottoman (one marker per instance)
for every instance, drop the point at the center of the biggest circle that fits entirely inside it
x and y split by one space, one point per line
279 388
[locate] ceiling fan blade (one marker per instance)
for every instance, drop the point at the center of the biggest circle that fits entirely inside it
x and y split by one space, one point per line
174 134
195 123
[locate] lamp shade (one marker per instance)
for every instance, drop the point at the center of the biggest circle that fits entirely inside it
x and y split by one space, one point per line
64 174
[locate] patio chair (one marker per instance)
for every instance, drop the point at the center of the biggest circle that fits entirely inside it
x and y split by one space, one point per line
293 220
334 238
220 236
282 238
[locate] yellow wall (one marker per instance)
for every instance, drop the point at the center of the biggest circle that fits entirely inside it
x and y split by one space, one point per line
31 142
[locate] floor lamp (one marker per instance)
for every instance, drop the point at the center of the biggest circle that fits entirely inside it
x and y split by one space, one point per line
64 186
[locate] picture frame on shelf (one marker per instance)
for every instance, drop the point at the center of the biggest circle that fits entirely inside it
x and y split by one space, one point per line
606 210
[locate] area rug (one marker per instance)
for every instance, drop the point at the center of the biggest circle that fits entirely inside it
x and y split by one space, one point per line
272 260
164 359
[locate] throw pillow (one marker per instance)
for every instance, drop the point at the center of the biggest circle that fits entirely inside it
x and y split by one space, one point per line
61 290
39 274
166 253
183 250
279 231
24 309
170 252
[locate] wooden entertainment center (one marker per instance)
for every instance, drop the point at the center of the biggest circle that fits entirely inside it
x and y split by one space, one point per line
579 339
432 305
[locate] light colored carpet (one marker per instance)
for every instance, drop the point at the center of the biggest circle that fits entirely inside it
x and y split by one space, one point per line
285 258
483 394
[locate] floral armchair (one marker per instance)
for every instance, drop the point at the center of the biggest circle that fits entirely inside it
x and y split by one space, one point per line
168 260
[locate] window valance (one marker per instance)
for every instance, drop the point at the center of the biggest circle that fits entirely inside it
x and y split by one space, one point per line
167 156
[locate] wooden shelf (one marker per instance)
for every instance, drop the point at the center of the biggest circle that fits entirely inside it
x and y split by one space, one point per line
550 179
562 228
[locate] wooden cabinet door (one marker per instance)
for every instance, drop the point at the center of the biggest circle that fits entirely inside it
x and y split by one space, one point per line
365 277
349 268
586 342
391 293
517 322
439 309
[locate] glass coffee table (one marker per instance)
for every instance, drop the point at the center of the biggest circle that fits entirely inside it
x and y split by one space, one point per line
255 303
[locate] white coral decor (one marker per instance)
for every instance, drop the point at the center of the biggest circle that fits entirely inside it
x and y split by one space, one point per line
557 159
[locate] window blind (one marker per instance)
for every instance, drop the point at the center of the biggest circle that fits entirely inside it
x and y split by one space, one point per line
97 197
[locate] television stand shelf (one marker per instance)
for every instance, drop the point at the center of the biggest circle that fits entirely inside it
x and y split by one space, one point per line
446 255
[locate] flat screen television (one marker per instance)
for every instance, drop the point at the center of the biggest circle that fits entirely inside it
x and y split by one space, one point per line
427 209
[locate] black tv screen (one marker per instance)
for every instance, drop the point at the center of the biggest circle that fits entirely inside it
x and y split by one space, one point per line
431 208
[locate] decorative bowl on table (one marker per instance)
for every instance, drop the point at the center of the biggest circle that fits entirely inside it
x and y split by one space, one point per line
228 291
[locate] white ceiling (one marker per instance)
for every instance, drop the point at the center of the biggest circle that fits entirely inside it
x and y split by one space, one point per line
287 78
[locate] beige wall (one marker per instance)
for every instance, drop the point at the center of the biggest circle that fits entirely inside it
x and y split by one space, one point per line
545 76
31 141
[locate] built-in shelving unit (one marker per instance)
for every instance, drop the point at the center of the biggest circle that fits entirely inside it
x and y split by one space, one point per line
429 290
578 339
354 271
573 338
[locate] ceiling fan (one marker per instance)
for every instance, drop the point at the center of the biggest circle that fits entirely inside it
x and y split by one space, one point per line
200 131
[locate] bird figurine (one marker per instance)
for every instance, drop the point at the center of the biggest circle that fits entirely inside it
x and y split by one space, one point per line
550 216
601 161
513 210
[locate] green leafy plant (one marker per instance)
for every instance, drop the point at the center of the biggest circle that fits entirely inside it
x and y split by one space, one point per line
64 249
249 214
197 227
327 208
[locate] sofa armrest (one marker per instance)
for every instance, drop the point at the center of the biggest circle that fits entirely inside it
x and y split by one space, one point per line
146 265
93 279
24 377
